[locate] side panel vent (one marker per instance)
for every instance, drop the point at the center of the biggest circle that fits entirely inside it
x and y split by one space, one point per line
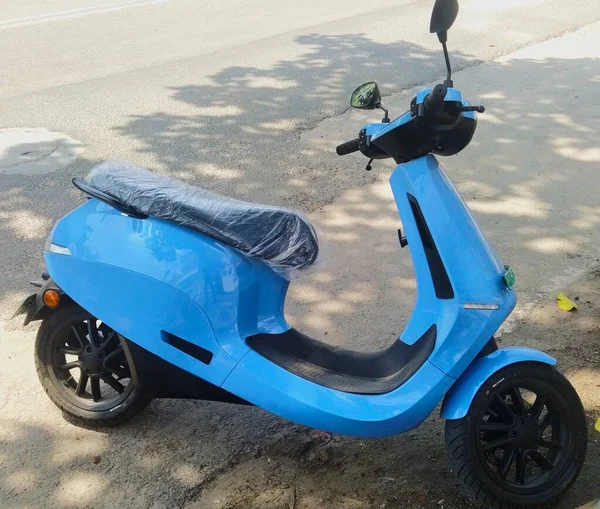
195 351
441 281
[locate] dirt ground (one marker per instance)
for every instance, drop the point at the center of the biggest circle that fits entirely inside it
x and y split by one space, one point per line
539 209
299 468
278 464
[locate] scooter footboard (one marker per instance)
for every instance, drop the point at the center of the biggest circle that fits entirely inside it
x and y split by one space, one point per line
458 400
267 385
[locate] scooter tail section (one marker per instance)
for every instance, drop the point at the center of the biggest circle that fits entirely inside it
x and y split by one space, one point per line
458 400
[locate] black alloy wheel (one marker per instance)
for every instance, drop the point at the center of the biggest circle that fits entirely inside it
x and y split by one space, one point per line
90 367
82 365
523 436
524 439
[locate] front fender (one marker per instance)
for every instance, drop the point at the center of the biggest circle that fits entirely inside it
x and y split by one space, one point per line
458 400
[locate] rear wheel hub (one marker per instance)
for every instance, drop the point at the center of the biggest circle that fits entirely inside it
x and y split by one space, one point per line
89 366
92 360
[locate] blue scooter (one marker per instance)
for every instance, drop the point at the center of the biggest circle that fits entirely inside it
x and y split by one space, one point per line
156 288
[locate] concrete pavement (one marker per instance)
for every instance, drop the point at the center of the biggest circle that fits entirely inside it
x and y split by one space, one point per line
228 120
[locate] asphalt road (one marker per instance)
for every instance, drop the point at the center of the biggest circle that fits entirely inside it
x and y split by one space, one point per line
249 98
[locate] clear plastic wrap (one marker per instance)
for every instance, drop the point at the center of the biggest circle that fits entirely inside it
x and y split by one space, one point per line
284 239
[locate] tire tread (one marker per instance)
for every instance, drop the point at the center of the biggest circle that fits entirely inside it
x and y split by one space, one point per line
458 434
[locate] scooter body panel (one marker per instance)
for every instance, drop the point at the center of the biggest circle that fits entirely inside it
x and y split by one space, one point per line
475 274
143 310
242 295
160 274
273 388
458 400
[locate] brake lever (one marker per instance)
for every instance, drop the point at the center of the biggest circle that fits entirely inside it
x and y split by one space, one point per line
478 109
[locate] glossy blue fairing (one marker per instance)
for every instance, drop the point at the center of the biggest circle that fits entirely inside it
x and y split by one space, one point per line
142 309
242 294
147 277
457 402
476 277
280 392
474 271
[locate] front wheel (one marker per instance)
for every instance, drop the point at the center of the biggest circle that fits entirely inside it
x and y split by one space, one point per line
82 366
523 441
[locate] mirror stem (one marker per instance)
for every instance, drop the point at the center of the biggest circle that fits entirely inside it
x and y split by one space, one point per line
386 118
448 82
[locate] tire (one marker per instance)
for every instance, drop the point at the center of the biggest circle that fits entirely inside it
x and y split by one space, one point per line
91 399
523 441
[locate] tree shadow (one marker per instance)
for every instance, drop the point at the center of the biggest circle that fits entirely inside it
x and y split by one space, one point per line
248 119
245 129
29 207
141 464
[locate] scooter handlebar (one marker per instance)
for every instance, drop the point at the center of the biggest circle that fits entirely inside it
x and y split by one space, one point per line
348 147
435 99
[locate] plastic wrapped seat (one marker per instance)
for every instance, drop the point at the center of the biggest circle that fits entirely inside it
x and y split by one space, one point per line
284 239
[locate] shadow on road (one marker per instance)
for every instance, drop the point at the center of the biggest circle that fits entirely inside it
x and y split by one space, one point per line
249 119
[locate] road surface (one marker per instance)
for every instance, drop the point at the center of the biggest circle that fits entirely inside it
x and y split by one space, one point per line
249 98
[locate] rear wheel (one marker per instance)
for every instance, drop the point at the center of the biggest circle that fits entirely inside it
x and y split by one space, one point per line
82 366
524 440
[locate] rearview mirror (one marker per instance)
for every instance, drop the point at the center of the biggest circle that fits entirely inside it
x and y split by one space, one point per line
443 16
366 97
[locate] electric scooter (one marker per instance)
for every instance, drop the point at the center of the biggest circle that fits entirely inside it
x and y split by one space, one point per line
156 288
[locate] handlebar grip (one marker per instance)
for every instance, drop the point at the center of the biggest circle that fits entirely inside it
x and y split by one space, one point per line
348 147
435 99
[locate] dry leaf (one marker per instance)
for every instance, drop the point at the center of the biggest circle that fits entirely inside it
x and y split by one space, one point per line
564 302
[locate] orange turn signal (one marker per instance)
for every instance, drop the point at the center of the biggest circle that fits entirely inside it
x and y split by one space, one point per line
51 298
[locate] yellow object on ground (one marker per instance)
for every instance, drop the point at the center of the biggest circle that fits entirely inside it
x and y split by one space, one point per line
564 302
597 426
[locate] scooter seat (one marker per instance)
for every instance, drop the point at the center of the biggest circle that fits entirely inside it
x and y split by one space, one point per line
284 239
